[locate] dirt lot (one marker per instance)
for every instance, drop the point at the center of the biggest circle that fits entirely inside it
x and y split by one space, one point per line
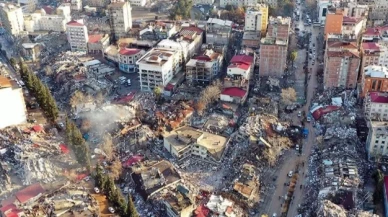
103 204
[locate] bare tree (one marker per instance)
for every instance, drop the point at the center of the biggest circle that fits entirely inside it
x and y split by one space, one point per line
107 146
116 168
77 98
288 95
211 93
48 70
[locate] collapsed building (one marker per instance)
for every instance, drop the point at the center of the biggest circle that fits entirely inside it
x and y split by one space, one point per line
247 184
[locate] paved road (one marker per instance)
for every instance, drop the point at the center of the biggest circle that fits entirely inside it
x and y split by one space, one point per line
290 163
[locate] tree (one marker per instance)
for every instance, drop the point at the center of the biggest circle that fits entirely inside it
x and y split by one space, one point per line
12 61
116 168
107 146
131 209
77 98
81 149
288 95
181 10
293 56
69 131
158 92
379 180
211 93
48 70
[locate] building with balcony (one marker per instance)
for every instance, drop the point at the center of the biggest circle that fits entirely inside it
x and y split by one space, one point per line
13 110
127 58
11 17
120 18
140 3
98 43
158 30
376 143
241 66
352 26
376 106
374 78
342 61
256 18
204 68
375 34
77 35
43 21
186 142
157 67
273 57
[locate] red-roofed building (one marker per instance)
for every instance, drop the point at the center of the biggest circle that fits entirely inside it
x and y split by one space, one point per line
352 26
30 194
241 66
11 210
77 35
98 43
203 68
202 211
342 62
374 33
127 58
234 94
376 106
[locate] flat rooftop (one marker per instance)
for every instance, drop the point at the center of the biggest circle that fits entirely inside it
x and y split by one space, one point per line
376 71
157 56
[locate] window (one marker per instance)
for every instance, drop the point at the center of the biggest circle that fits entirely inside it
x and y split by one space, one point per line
377 141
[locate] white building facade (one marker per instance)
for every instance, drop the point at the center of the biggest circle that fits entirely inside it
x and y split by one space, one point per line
127 58
224 3
13 110
40 21
157 67
77 35
11 17
120 18
140 3
253 20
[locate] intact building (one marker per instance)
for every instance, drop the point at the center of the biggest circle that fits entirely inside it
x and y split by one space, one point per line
341 61
374 78
13 110
157 67
77 35
187 142
42 21
376 106
11 17
120 18
218 31
224 3
377 139
256 18
273 57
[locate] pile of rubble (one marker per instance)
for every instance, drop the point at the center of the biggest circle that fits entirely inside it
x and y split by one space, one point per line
330 209
340 132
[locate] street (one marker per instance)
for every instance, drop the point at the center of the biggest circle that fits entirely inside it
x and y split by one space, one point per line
290 164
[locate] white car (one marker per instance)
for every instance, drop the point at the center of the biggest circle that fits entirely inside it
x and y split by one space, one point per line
297 147
274 215
96 190
308 119
87 178
290 174
111 210
299 114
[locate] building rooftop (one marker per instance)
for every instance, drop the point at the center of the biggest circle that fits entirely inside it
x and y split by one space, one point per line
183 137
351 20
378 97
157 56
279 20
5 82
234 92
116 4
251 36
342 44
375 31
382 124
344 53
246 59
75 23
178 199
129 51
370 46
375 71
9 6
29 192
272 41
208 55
95 38
190 31
220 22
333 24
193 63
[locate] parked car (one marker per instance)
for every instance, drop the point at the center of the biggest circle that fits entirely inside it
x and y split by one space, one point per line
111 210
290 174
297 147
299 113
308 119
96 190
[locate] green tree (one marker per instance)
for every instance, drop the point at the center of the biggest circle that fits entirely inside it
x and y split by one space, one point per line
158 92
131 209
293 56
181 10
379 181
12 61
81 149
68 131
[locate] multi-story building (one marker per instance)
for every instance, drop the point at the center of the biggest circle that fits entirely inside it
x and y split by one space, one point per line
41 21
375 34
203 2
273 57
157 67
370 54
376 106
357 10
179 202
127 58
98 3
186 142
376 143
374 78
272 3
279 28
378 13
204 68
218 31
77 35
224 3
158 30
140 3
241 66
333 24
352 26
342 62
322 8
28 6
98 43
13 110
11 17
120 18
256 18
